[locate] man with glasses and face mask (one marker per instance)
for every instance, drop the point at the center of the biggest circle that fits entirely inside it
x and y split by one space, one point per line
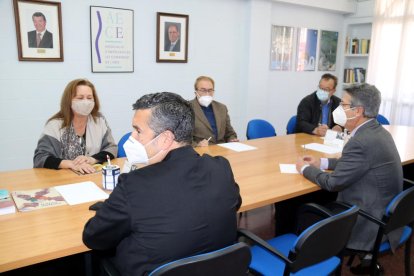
212 120
369 172
314 114
180 204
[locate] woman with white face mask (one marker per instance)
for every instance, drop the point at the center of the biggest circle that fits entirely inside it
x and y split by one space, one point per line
77 136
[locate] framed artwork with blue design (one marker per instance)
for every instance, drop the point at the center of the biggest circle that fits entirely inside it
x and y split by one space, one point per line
112 40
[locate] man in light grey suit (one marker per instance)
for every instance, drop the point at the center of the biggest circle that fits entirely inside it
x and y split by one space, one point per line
369 172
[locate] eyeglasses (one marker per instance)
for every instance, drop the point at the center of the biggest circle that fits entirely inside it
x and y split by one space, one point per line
326 89
345 104
205 91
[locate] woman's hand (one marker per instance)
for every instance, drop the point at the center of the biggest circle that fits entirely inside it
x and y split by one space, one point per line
82 159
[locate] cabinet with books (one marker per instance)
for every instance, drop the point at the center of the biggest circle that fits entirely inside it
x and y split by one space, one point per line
356 52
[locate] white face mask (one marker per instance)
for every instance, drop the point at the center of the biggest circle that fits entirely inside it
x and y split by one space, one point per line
339 116
135 151
205 100
322 95
83 107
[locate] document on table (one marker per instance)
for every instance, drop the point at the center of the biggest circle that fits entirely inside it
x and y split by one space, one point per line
82 192
322 148
236 146
288 168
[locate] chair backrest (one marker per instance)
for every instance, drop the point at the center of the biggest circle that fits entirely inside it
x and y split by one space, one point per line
231 260
121 151
259 128
382 120
291 125
323 240
400 211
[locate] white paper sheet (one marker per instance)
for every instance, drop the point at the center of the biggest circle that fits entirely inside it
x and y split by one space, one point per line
288 168
82 192
236 146
322 148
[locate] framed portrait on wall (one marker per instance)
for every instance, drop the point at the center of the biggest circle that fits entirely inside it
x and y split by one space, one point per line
112 40
38 30
306 54
172 37
327 51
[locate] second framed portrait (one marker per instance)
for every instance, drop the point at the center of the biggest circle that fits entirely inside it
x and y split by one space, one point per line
39 30
172 37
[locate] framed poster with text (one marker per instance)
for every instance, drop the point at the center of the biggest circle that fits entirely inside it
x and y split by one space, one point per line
112 40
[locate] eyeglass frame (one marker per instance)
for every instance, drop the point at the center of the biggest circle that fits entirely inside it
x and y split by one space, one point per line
205 91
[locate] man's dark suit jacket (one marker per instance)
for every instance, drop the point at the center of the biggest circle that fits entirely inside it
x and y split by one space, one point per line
310 112
368 174
203 130
176 47
46 42
179 207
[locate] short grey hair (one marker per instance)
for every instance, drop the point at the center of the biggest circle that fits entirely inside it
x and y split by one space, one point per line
169 111
367 96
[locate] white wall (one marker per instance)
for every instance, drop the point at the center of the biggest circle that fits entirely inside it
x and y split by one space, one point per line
228 40
274 95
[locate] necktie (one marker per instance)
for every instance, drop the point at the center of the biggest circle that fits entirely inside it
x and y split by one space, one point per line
172 47
38 38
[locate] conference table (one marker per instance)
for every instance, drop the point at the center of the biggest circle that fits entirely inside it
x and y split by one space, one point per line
32 237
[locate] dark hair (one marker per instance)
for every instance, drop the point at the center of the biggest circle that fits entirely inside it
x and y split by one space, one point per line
39 14
65 113
328 76
367 96
169 112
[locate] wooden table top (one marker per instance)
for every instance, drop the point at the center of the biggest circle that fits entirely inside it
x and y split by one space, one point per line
37 236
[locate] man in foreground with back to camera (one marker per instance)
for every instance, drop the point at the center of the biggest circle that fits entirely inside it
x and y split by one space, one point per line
181 204
369 172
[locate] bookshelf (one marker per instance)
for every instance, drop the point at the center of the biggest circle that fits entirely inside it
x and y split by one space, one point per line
357 40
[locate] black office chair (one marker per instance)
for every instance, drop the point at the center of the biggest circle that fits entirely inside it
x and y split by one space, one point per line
399 213
231 260
316 251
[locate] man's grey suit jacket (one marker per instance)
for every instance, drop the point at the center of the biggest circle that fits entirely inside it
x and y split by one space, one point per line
368 174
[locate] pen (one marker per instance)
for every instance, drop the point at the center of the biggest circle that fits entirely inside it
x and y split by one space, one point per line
109 160
208 140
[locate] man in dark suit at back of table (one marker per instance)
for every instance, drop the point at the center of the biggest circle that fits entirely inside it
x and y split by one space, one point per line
181 204
40 38
314 114
173 42
369 172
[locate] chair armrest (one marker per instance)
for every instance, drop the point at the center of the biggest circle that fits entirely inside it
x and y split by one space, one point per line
361 212
408 182
108 267
260 242
315 209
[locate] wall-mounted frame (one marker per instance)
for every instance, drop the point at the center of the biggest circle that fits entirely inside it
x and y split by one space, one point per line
327 51
112 40
172 37
306 53
38 30
281 49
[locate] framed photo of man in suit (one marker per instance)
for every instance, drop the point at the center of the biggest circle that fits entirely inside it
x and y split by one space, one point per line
172 37
38 30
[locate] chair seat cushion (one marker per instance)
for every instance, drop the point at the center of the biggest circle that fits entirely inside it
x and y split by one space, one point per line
268 264
385 246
